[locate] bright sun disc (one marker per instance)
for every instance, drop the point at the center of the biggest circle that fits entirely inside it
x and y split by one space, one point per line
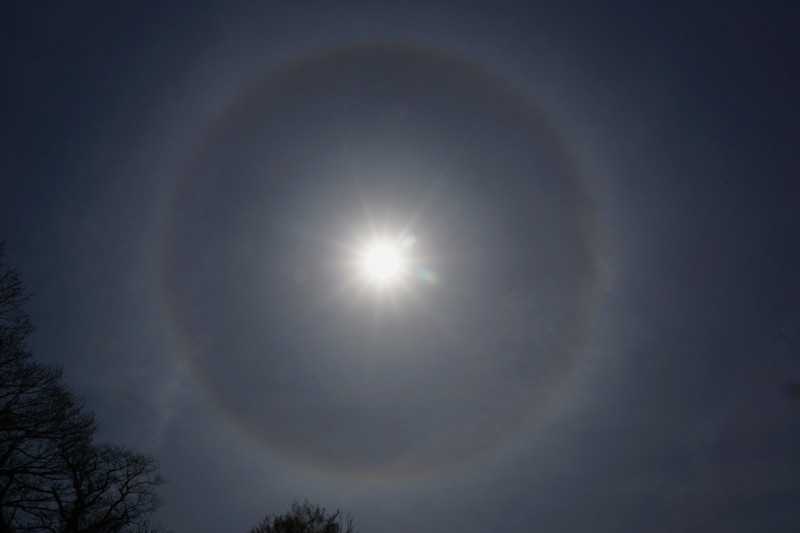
382 262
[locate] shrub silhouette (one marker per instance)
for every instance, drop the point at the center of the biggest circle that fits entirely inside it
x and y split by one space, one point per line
306 518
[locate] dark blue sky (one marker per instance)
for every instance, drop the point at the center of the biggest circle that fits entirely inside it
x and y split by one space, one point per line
598 326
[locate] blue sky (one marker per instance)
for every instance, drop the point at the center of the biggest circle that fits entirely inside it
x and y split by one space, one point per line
596 327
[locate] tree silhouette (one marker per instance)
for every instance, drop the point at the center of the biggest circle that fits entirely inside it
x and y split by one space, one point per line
15 324
53 477
306 518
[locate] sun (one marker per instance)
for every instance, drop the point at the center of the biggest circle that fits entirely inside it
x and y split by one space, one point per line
382 262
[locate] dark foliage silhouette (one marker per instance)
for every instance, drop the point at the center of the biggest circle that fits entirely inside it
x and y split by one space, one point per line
306 518
53 476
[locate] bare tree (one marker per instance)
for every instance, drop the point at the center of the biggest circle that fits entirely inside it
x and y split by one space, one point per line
306 518
53 477
15 323
108 489
39 423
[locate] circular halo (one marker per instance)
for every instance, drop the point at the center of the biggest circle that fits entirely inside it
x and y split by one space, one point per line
499 317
